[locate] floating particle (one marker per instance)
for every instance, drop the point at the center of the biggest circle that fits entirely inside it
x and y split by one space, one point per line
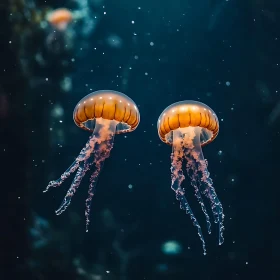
66 84
162 267
57 111
227 83
171 248
114 41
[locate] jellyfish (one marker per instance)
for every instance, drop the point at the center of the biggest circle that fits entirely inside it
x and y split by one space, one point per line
104 113
60 18
59 37
187 126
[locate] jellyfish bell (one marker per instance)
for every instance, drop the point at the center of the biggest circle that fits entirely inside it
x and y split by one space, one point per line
188 115
60 18
110 105
104 113
187 126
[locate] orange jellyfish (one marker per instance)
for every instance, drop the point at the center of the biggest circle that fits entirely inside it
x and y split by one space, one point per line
60 18
187 126
105 113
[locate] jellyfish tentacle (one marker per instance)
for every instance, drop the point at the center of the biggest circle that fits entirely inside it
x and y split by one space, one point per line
177 178
91 192
55 183
206 187
74 186
84 155
192 142
96 150
212 195
192 173
180 195
100 156
189 139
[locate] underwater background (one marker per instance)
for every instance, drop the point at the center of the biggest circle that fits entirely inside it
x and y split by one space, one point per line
224 53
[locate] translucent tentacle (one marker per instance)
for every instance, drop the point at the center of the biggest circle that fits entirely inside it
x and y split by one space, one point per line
97 149
185 205
192 173
204 186
177 178
100 155
64 176
74 186
194 154
209 191
84 155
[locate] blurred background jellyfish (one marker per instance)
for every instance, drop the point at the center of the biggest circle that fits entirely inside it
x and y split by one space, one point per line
60 18
60 35
105 113
187 126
